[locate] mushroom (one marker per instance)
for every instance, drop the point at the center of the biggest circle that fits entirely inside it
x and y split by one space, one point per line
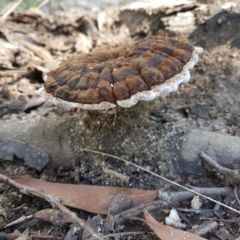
122 76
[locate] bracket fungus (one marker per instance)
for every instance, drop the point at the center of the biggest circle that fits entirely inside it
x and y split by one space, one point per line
122 76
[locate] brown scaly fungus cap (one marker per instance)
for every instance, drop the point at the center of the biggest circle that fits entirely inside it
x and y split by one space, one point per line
122 76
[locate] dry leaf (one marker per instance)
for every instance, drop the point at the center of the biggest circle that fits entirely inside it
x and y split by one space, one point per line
168 233
55 216
94 199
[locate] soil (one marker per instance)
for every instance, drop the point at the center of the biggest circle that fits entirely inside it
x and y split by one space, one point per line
151 134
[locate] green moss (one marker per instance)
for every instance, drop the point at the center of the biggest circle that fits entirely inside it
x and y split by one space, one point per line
26 4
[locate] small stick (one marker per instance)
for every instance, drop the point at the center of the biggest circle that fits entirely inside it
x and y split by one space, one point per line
11 9
44 2
115 174
15 234
118 235
137 210
19 220
225 223
204 228
232 175
185 195
236 195
55 201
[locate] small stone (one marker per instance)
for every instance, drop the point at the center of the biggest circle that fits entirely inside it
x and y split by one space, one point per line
196 202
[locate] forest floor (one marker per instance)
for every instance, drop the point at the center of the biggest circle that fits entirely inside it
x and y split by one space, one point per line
32 43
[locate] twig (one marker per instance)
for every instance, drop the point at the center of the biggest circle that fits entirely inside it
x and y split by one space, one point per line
15 234
115 174
232 175
44 2
185 195
233 220
161 177
11 9
119 235
55 201
236 195
225 223
204 228
213 191
19 220
72 231
137 210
